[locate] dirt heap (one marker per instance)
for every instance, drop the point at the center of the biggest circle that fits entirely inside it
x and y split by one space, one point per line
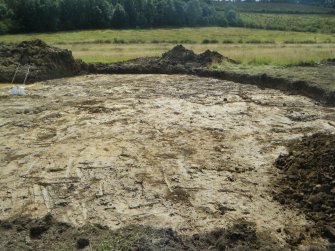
177 60
309 180
45 62
180 55
48 234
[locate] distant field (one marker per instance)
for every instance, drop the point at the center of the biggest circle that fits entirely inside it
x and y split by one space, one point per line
248 54
277 8
173 36
291 22
283 16
247 46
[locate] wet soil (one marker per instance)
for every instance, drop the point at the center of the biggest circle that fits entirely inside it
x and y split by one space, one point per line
309 180
194 155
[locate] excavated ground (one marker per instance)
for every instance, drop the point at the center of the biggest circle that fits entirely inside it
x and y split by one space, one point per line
182 152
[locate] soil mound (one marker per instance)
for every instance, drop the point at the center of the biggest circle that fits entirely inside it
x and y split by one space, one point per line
45 62
309 180
178 60
180 55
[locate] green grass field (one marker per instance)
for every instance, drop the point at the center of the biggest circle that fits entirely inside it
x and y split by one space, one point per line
176 35
290 22
247 46
263 7
284 16
247 54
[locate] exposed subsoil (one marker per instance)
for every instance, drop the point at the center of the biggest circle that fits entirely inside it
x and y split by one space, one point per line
183 157
309 180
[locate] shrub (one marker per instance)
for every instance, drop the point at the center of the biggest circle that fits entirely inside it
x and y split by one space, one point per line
208 41
227 41
119 41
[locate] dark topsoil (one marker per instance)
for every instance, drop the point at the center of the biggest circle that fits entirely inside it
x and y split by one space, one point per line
45 62
48 234
48 62
308 180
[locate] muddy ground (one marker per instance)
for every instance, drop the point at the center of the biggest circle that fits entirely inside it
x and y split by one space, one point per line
181 155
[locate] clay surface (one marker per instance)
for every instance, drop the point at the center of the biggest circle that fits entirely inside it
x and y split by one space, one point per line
181 152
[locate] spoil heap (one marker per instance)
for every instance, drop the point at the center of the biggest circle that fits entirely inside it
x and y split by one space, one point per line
180 55
177 60
309 180
45 62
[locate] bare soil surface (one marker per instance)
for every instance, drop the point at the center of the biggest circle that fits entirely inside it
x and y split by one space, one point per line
181 152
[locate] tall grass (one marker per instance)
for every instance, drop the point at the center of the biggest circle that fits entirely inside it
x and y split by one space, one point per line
247 46
184 35
248 54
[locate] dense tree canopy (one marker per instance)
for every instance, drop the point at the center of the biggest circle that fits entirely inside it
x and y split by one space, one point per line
52 15
55 15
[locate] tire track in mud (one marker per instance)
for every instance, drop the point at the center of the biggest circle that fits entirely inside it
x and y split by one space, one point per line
170 151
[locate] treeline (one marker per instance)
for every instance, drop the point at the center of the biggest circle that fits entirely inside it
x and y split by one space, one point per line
55 15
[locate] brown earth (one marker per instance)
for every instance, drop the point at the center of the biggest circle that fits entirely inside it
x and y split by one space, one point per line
45 62
309 180
177 60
